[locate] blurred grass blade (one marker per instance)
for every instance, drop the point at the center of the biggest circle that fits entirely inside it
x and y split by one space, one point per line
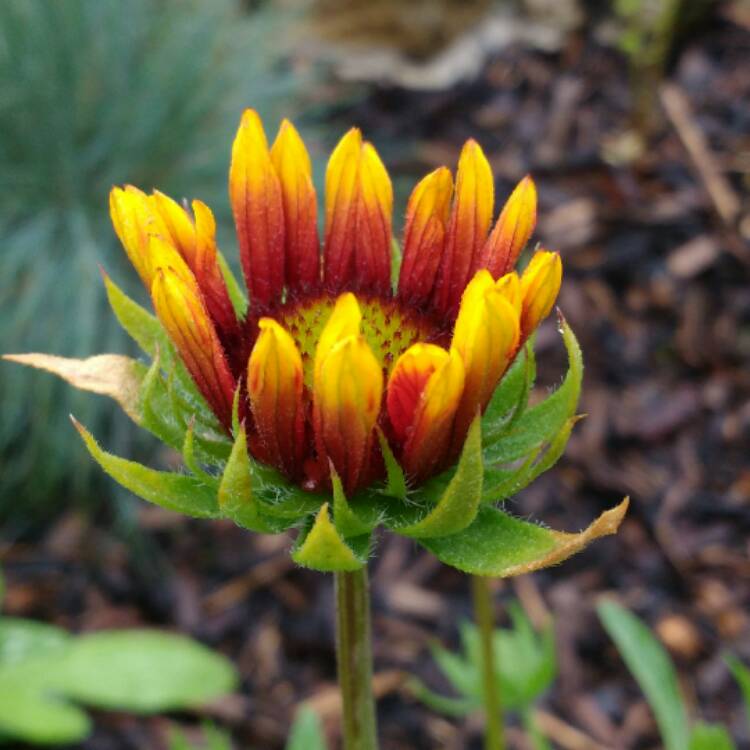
96 94
710 737
652 669
742 675
306 732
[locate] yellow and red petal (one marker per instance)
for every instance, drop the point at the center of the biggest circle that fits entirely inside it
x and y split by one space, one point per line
540 284
135 221
345 320
180 309
160 253
427 215
255 194
510 287
469 223
180 230
209 276
346 402
407 381
487 336
372 252
512 231
292 164
342 182
359 208
275 386
430 436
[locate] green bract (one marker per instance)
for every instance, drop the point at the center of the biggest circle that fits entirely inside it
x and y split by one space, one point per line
454 515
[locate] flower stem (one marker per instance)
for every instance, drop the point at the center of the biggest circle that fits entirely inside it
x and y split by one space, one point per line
354 656
494 736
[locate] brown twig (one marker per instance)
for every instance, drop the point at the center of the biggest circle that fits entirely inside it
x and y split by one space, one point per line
566 736
722 195
239 588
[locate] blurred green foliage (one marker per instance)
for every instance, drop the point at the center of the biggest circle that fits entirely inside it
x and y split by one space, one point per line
526 666
653 670
649 31
214 739
45 674
306 732
94 94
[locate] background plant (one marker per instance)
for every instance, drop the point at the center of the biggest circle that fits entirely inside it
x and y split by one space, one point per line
526 666
46 674
94 94
648 33
653 670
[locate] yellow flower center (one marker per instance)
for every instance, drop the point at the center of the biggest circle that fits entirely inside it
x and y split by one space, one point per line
389 328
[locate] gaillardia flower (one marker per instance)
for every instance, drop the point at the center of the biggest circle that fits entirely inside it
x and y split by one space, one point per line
356 383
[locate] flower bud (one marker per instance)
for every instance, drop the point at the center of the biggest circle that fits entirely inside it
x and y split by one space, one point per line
467 230
512 231
180 309
347 391
274 386
423 394
487 338
540 283
292 164
255 194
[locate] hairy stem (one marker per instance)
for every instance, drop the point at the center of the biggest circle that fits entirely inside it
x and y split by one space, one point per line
354 656
494 737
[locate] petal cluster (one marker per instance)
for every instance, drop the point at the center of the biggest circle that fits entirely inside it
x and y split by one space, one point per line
317 395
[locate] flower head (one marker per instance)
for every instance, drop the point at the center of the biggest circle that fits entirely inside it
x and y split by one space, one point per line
332 398
335 352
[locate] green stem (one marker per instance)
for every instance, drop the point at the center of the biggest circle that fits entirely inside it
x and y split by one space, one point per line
494 736
354 656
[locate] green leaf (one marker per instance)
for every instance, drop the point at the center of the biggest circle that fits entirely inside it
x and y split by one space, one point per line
497 544
177 492
141 671
237 498
525 664
538 739
511 395
236 295
23 639
460 670
500 484
189 457
141 325
541 423
146 330
347 522
652 669
741 675
710 737
526 660
214 739
43 670
306 732
459 503
159 416
321 547
396 260
442 703
396 481
31 716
